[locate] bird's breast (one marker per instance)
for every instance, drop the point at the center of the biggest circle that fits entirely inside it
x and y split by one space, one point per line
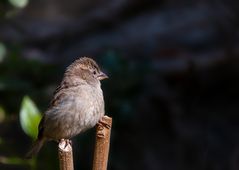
80 110
87 108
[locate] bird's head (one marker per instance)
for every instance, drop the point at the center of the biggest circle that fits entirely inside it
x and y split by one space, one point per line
86 69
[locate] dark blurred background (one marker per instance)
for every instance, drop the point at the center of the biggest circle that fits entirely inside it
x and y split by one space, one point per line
173 90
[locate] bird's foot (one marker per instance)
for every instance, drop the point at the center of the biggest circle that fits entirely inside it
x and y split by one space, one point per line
100 131
102 126
66 142
103 123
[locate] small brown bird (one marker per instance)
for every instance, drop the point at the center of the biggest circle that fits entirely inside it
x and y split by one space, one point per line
77 104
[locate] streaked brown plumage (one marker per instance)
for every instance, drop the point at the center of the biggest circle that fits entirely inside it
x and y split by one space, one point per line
77 104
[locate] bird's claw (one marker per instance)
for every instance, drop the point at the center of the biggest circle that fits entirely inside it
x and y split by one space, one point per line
103 123
66 141
100 128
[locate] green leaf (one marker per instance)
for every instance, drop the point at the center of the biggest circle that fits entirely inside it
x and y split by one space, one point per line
29 117
19 3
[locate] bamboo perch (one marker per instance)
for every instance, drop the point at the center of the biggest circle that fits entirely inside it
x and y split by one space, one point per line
102 143
65 155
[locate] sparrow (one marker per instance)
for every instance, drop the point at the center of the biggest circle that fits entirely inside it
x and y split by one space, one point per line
77 104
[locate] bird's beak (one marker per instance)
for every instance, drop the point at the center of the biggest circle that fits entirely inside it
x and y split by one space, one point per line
102 76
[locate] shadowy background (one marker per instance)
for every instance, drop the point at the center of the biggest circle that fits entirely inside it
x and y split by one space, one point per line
173 88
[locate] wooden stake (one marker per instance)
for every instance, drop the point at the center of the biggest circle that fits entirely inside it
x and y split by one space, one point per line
102 143
65 155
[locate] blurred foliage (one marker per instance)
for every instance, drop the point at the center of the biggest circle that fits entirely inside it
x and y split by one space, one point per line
2 114
18 3
17 161
3 51
30 117
9 8
25 76
21 76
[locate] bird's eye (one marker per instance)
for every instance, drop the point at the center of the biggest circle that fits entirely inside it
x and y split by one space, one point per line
94 72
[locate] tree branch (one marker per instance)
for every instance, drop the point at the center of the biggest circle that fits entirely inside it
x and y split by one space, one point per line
102 143
65 155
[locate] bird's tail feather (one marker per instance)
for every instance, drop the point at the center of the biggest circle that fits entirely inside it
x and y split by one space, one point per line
35 148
